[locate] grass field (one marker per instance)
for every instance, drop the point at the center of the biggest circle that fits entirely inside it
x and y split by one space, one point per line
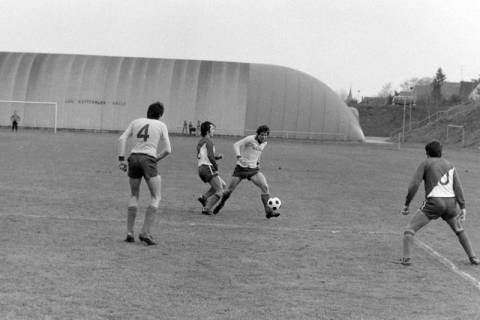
328 256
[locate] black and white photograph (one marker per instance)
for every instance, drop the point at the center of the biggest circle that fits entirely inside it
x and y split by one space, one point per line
239 159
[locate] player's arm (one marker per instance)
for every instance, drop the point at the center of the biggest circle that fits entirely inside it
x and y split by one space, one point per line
211 154
122 146
413 186
237 146
258 160
167 149
218 156
458 189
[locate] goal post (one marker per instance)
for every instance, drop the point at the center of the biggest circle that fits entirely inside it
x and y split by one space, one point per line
33 114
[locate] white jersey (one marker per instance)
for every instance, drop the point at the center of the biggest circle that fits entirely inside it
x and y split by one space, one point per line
249 150
147 134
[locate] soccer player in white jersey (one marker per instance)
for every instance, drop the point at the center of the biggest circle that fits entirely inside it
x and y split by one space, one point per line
443 198
208 168
147 133
248 151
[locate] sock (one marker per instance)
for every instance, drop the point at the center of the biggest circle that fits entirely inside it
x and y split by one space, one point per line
407 243
149 219
211 201
208 194
265 197
462 237
131 215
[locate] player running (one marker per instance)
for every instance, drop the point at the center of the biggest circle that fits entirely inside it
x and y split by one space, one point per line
142 162
208 168
443 191
248 151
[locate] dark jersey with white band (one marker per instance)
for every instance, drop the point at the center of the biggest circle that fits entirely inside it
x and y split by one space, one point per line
440 179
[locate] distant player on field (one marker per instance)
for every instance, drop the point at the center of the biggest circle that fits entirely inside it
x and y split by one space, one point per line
208 169
248 151
15 119
443 191
142 162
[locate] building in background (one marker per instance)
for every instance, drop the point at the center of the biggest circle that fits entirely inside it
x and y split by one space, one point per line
451 91
105 93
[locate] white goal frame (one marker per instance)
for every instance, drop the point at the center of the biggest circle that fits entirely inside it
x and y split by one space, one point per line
55 104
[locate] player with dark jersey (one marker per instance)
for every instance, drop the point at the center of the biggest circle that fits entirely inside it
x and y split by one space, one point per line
147 133
208 168
443 199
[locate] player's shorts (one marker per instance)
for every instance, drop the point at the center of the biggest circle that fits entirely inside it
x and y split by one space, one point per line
142 165
206 173
245 173
445 208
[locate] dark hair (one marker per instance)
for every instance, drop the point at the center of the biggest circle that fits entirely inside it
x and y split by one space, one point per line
155 110
434 149
205 127
263 128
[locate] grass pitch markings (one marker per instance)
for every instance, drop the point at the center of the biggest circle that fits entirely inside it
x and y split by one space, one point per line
445 261
335 230
449 264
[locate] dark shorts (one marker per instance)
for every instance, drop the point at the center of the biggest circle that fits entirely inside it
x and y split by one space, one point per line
206 173
142 165
245 173
445 208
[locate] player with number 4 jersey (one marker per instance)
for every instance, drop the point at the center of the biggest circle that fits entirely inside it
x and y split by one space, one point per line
148 134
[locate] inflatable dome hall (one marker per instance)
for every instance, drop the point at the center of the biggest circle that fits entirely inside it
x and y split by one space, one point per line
102 93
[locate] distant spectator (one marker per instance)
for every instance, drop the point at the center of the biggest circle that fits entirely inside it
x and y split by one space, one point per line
191 128
15 118
198 127
185 127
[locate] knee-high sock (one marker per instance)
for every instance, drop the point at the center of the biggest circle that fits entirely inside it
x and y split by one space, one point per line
208 194
131 215
462 237
265 197
407 243
211 201
149 219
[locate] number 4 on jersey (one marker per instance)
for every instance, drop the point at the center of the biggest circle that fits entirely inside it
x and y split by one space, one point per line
143 133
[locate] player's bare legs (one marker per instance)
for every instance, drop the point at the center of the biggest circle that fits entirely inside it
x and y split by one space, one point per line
418 221
132 207
260 181
203 198
154 186
226 194
217 186
459 230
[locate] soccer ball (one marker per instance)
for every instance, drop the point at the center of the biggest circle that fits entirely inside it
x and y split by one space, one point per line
274 203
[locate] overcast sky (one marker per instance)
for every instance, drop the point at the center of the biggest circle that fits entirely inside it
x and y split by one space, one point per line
357 44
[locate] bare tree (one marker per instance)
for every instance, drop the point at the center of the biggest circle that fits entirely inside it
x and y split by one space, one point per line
407 85
386 90
437 86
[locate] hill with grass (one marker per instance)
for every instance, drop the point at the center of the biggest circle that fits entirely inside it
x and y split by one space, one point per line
381 121
387 121
461 121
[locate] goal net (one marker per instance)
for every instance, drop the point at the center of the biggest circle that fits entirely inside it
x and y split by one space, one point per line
33 114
